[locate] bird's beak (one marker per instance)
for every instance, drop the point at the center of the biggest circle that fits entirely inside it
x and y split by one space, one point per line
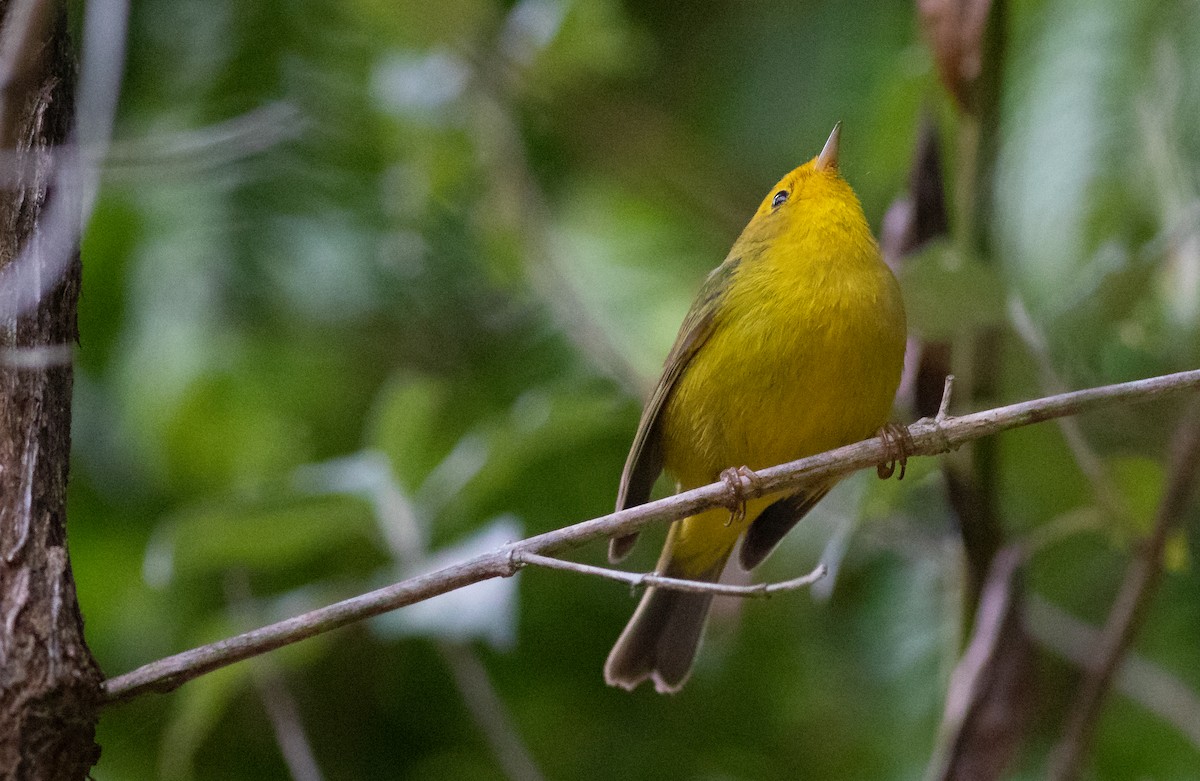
827 160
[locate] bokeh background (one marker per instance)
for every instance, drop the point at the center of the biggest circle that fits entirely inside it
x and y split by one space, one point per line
374 285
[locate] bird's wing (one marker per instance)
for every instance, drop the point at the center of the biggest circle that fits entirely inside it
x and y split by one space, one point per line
645 461
769 528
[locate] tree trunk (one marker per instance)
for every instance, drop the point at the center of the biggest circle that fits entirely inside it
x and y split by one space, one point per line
49 682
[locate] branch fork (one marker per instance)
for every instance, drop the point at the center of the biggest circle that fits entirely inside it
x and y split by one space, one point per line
638 580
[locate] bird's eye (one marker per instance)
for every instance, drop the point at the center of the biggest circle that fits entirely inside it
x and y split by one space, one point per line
779 199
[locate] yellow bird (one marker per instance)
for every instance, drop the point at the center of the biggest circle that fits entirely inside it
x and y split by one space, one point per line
793 346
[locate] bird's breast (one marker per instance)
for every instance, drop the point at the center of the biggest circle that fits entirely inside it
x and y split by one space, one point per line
797 364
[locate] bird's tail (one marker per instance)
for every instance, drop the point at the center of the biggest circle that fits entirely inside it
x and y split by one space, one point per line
660 641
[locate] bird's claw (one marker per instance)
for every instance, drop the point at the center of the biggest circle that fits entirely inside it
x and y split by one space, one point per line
897 444
738 481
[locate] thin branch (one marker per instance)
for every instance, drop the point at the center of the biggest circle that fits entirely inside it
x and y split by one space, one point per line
489 711
211 146
1148 684
521 202
284 714
988 698
1088 461
639 580
280 705
1133 600
928 437
399 522
972 482
177 154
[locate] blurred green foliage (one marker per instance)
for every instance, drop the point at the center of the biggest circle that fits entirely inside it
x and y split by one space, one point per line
371 280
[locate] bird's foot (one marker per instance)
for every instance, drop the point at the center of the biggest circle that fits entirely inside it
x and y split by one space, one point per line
738 481
897 444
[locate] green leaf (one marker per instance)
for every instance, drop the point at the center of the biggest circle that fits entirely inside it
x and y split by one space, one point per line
295 536
524 462
946 293
1140 481
228 430
409 426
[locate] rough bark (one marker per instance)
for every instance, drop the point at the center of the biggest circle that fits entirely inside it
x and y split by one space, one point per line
49 682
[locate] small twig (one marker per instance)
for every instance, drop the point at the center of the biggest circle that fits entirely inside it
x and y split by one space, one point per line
944 408
1129 608
284 714
639 580
928 438
1073 522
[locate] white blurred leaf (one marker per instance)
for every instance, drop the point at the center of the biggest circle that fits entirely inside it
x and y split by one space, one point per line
484 611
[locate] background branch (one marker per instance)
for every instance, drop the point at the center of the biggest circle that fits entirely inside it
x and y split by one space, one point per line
1143 681
399 521
489 711
1129 610
990 691
281 708
928 437
1086 457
